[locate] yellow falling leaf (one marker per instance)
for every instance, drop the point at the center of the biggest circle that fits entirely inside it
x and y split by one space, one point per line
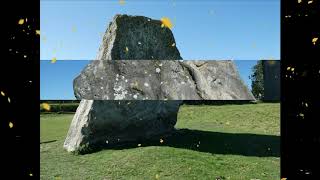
2 93
53 60
299 1
46 106
301 115
292 69
174 44
227 123
157 176
271 62
314 40
10 124
9 100
161 140
30 174
166 22
38 32
288 68
309 2
306 104
21 21
139 145
122 2
127 49
283 178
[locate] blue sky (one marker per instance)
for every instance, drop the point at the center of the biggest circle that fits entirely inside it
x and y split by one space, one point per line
56 79
203 29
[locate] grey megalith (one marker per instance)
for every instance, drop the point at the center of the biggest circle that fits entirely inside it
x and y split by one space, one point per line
106 116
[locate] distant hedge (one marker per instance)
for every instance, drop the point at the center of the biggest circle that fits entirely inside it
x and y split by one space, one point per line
67 107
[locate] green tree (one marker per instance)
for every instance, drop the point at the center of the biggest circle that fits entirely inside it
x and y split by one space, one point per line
257 84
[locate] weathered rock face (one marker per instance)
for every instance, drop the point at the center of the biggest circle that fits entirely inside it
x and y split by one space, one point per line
98 122
161 80
137 38
133 38
110 115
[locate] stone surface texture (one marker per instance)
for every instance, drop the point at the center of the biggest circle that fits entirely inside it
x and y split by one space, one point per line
161 80
115 121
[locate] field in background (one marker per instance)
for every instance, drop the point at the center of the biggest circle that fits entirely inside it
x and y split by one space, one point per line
227 141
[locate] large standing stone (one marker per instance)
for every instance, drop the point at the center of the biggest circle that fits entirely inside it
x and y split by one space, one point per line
161 80
107 115
131 38
98 122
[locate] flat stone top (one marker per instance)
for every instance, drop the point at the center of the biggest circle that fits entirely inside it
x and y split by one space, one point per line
160 80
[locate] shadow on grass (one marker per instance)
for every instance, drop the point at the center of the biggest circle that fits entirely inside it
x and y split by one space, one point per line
215 143
218 102
45 142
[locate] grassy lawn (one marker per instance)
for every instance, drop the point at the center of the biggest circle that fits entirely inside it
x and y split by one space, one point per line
227 141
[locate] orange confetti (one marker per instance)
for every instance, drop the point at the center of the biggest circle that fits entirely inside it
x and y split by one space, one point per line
38 32
21 21
166 22
53 60
10 125
46 106
2 93
122 2
314 40
161 140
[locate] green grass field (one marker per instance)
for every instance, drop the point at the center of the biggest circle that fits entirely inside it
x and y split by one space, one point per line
226 141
